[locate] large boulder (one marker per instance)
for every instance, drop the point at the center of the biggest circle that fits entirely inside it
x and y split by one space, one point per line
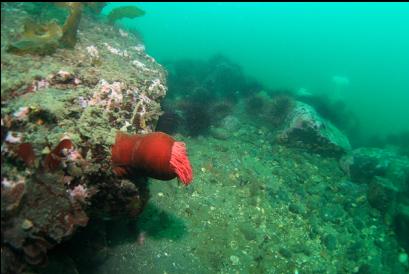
305 128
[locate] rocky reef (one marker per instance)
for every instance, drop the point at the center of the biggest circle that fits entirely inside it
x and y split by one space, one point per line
278 187
60 112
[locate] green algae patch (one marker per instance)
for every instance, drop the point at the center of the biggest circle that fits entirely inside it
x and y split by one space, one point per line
50 100
94 126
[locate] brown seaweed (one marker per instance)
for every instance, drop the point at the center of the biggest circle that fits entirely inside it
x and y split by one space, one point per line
70 28
124 12
38 39
43 39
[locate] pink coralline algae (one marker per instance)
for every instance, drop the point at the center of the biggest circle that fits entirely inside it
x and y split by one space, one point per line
93 52
79 193
107 95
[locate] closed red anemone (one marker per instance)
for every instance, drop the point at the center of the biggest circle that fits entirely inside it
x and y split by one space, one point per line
156 155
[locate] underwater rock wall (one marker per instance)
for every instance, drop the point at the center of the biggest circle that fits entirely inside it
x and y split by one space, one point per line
59 117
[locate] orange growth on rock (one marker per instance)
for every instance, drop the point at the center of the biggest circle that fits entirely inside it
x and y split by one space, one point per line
53 160
26 152
155 155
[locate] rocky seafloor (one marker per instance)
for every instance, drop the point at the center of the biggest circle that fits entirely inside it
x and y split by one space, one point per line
257 207
294 200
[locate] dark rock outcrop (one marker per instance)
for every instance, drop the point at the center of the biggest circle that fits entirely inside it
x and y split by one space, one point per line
304 128
386 175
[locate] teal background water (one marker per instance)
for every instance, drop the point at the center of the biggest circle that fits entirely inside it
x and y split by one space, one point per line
297 45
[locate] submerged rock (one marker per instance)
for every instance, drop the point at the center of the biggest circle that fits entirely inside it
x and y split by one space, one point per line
231 123
401 226
220 133
363 164
228 126
304 128
386 175
382 195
